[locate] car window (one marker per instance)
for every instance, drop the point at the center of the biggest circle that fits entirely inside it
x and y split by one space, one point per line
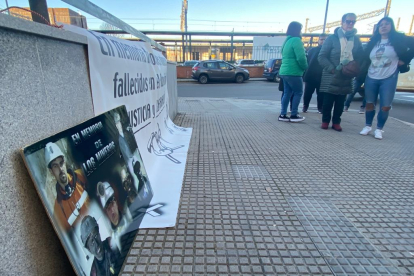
278 62
269 63
210 65
224 65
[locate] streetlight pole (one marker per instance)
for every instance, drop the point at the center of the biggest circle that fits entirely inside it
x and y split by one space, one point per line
326 15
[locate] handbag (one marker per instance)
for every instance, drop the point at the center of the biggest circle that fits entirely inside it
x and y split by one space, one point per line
281 85
404 68
351 70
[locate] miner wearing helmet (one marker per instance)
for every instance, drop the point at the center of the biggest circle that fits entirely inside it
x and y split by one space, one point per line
71 198
105 254
119 220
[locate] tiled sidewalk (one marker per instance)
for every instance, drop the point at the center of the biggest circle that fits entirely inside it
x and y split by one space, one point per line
262 197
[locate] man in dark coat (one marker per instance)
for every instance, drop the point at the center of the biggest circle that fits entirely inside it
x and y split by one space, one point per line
105 253
313 76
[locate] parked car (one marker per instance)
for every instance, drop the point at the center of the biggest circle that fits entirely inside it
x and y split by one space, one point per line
208 70
271 69
190 63
249 62
246 62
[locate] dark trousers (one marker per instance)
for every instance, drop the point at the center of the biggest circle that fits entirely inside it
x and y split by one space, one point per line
310 87
335 101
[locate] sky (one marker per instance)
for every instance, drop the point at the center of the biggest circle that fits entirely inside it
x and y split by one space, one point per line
240 16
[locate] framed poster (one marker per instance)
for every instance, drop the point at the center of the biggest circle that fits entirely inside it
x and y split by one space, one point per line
95 189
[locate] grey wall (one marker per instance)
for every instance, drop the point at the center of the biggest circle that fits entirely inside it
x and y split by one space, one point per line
44 89
172 89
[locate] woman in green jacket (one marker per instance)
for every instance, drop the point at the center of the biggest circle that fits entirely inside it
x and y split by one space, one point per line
294 64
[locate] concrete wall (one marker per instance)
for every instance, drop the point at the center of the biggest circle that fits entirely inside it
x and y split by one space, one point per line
172 89
44 90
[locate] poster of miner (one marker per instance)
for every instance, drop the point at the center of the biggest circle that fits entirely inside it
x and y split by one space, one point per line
95 190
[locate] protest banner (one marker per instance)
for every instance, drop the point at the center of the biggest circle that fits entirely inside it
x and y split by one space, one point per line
133 74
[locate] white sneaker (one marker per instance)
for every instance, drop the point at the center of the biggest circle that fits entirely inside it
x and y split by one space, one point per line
366 130
378 134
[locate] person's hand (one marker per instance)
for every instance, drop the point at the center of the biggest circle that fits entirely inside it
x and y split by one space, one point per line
400 62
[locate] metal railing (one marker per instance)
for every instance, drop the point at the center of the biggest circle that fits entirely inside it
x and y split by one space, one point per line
100 13
177 53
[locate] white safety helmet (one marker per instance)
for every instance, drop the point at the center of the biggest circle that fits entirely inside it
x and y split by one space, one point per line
105 192
52 151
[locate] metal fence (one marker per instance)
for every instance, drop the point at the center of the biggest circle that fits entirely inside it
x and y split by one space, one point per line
176 53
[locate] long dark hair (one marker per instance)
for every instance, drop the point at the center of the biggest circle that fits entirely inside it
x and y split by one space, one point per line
376 37
396 39
294 29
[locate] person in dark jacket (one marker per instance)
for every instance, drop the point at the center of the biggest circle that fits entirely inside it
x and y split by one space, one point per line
388 53
358 82
338 50
313 77
105 252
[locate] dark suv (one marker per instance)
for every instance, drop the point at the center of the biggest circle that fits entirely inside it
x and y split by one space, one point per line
271 69
207 70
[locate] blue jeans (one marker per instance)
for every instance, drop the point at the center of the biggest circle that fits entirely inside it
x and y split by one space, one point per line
293 88
357 85
385 88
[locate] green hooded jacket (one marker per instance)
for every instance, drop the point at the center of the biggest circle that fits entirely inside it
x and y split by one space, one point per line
294 61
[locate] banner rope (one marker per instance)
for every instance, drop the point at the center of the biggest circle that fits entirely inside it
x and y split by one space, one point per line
33 12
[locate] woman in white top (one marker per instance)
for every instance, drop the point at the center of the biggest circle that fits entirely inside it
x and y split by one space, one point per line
387 53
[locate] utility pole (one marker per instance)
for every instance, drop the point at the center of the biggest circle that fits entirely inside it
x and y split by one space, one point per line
398 23
411 26
306 25
186 29
387 8
326 15
40 7
183 26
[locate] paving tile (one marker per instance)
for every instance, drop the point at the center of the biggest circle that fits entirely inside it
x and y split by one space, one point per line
262 197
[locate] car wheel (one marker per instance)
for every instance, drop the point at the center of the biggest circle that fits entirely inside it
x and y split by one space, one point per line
276 78
239 78
203 79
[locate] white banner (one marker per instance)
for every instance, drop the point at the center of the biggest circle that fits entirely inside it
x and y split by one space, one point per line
131 73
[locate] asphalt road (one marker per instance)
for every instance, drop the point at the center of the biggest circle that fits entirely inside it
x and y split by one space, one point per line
403 105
